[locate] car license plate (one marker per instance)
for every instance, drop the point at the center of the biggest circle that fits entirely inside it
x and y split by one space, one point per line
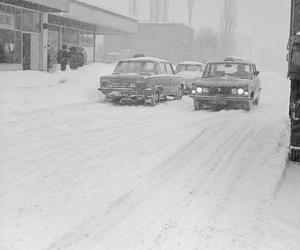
115 93
219 102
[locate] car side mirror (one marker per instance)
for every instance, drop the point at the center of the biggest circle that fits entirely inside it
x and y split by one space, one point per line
256 73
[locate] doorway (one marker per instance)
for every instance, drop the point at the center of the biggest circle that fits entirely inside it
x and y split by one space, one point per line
26 51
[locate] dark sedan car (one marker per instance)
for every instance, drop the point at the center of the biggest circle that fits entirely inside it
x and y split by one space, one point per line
233 83
142 80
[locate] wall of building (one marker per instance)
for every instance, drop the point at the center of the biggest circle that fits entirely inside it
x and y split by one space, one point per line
170 41
18 25
60 5
30 36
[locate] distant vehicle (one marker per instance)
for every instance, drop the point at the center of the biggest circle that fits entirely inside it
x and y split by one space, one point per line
138 55
191 72
232 82
142 80
78 57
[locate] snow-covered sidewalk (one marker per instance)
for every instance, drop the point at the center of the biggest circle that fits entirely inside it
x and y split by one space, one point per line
77 173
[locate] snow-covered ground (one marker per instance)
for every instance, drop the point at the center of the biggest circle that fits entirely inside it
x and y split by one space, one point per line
79 173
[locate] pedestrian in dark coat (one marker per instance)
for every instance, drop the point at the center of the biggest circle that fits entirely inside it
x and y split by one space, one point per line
63 57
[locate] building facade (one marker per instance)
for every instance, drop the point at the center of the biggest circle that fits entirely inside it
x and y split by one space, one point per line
170 41
31 30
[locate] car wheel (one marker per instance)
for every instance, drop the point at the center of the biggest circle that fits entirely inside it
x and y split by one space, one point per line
294 154
155 98
248 105
179 94
256 101
197 104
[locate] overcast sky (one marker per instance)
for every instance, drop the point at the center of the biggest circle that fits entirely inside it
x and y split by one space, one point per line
266 22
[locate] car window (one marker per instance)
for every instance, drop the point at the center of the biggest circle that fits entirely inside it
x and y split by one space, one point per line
236 70
169 68
162 68
129 67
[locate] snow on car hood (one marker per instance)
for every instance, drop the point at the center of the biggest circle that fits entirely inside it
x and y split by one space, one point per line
223 82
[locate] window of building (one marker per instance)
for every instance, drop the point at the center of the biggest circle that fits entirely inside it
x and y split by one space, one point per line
86 39
10 46
6 17
70 37
17 18
31 21
18 47
7 46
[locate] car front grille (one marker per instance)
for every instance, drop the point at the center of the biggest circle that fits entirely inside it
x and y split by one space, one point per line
220 91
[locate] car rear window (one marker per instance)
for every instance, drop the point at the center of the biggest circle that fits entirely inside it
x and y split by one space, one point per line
128 67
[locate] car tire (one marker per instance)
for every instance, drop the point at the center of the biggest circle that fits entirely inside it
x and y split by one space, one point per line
256 101
248 105
197 104
155 98
179 94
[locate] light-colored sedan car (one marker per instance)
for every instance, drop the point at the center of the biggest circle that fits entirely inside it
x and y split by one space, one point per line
142 80
228 83
191 71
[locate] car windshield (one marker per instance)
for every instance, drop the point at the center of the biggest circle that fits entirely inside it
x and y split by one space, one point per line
133 67
188 67
236 70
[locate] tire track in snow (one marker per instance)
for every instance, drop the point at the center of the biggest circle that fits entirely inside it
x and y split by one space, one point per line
159 176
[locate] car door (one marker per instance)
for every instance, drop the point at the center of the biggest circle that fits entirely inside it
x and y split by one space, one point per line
163 78
256 82
173 80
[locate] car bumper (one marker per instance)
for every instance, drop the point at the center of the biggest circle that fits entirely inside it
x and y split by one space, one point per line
126 93
187 90
222 100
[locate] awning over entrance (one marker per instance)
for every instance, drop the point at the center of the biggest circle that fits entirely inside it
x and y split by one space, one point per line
105 22
41 5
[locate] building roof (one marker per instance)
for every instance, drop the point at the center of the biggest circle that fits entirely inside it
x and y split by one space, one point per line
105 22
95 3
166 24
41 5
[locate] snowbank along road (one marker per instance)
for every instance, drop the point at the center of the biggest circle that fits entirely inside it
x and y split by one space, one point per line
77 173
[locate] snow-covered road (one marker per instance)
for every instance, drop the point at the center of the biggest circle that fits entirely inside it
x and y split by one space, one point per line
79 174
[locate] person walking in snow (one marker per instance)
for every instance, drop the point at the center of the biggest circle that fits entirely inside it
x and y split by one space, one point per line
63 57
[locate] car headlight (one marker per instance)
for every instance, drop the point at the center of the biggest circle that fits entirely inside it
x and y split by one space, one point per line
234 91
205 90
193 91
241 91
199 90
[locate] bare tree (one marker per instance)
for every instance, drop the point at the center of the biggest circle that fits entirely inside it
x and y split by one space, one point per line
133 8
165 14
191 4
155 10
227 27
206 44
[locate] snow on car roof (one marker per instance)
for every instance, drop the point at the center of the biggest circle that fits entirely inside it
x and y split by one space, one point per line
145 58
232 61
191 62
